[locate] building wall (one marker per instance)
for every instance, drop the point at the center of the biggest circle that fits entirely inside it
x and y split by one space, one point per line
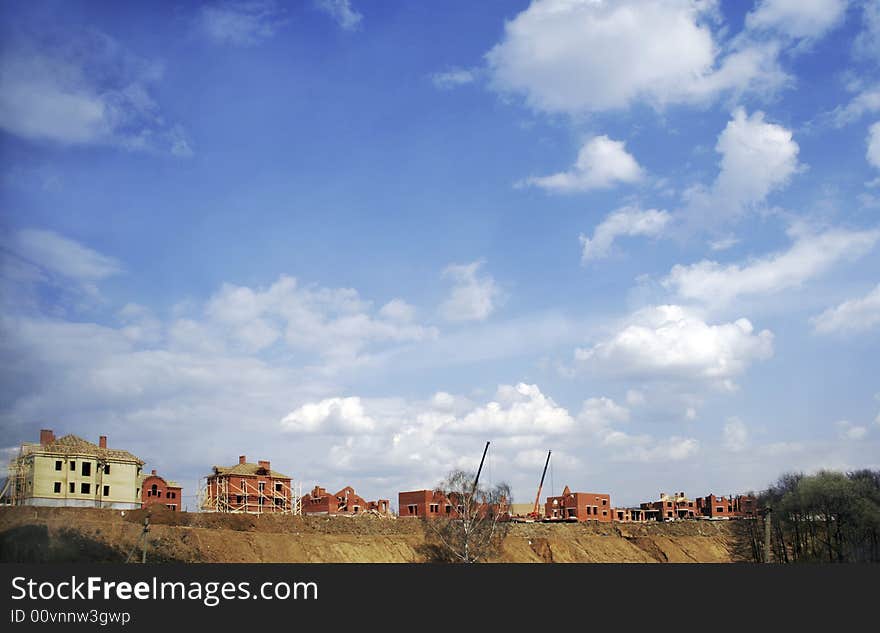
583 506
425 504
715 507
45 485
169 496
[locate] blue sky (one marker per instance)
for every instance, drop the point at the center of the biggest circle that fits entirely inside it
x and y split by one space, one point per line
360 239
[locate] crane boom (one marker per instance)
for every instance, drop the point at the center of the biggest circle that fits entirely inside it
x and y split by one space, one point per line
479 470
541 485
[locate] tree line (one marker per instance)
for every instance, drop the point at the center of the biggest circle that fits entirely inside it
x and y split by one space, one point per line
829 516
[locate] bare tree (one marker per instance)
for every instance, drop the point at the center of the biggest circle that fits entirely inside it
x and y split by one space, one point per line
473 523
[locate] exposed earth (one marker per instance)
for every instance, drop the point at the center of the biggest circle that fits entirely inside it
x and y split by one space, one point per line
30 534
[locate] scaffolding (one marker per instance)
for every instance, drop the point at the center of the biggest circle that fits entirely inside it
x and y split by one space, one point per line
15 488
217 493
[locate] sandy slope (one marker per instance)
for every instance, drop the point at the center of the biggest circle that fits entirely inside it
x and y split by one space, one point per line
68 534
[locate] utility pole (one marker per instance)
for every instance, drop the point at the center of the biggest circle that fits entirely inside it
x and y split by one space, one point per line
767 512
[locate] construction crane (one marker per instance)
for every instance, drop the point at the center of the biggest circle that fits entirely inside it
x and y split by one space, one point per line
534 513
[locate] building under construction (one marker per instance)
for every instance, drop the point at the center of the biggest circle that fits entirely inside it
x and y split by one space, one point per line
71 471
346 501
249 488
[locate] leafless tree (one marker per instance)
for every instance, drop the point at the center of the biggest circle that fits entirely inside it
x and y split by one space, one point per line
473 521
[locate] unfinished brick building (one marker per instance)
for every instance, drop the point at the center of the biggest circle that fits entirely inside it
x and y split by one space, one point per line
742 506
425 503
629 515
668 508
346 501
250 488
579 506
155 489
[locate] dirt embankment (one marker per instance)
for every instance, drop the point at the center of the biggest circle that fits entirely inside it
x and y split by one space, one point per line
79 534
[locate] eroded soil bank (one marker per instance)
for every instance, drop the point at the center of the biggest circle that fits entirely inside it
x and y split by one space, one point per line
77 534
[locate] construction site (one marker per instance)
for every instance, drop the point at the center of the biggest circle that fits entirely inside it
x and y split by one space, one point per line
47 534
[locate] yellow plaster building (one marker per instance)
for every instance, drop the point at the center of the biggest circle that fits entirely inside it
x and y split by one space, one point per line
70 471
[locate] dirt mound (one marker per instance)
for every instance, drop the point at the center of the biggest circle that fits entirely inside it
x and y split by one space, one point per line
78 534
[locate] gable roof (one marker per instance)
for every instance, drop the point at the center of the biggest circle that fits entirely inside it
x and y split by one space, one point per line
73 444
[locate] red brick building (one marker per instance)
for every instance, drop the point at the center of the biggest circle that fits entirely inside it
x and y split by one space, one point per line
579 506
745 506
155 489
426 504
668 508
251 488
346 501
742 506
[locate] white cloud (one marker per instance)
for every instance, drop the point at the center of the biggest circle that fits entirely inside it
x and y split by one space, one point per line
62 256
873 154
243 23
473 297
671 341
673 449
334 323
867 43
736 435
341 11
849 431
517 410
811 255
398 310
601 163
453 78
87 90
724 243
628 221
797 18
577 56
756 158
854 315
867 100
332 415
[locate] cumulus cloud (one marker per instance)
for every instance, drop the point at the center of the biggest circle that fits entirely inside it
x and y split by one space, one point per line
84 90
332 415
810 255
601 163
628 221
575 56
736 435
342 12
757 158
453 78
244 23
473 297
797 18
854 315
334 323
673 342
